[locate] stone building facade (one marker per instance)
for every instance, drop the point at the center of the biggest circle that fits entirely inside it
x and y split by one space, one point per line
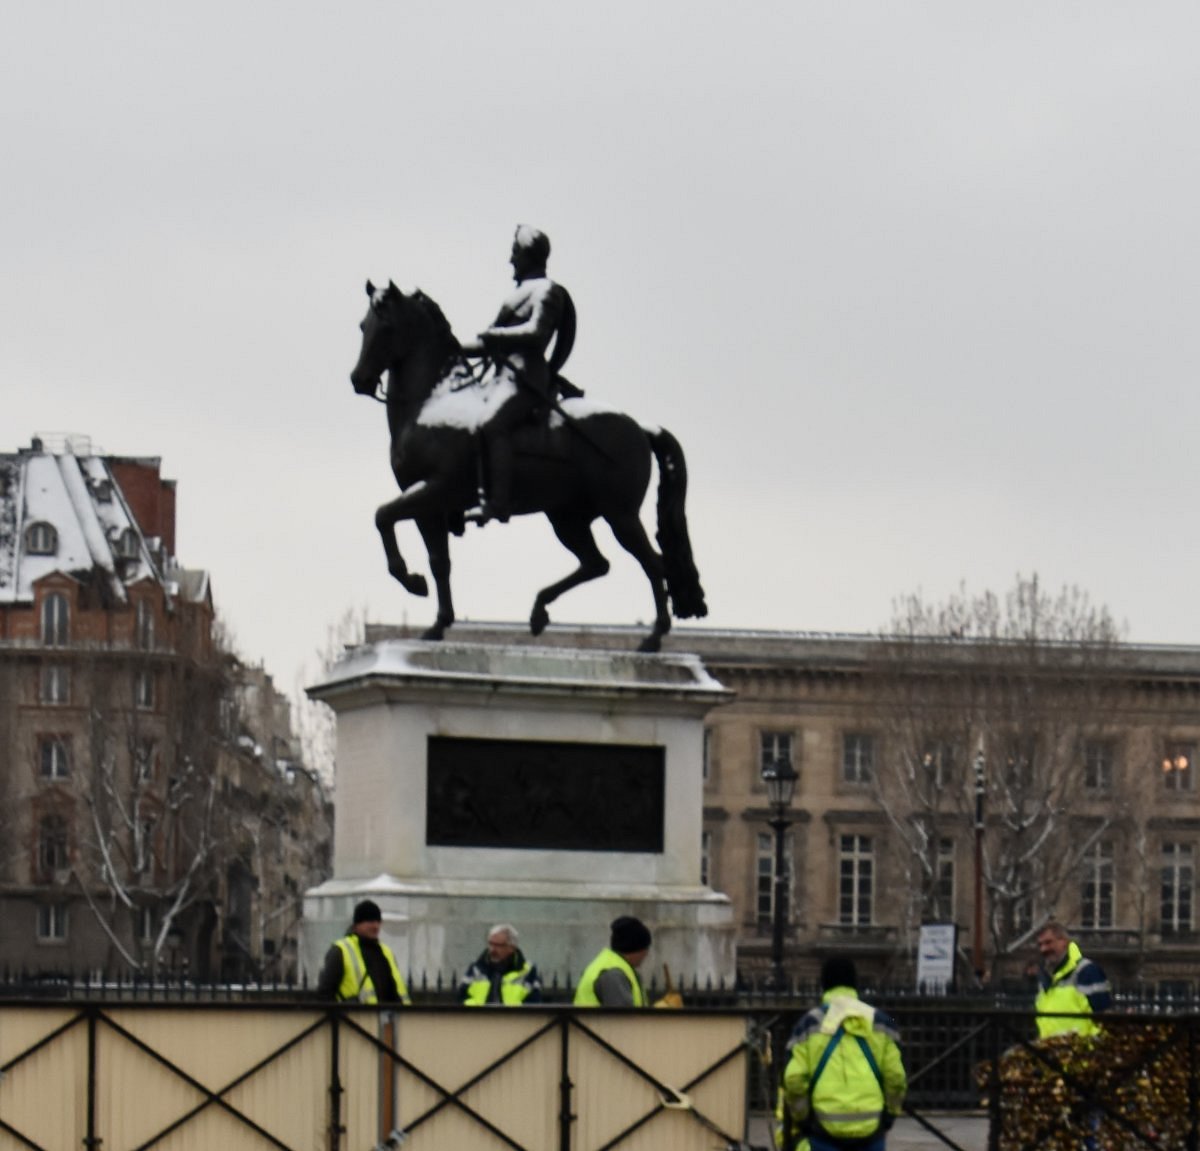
127 788
1121 826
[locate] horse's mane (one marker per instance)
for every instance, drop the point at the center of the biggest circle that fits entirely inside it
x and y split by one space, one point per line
437 317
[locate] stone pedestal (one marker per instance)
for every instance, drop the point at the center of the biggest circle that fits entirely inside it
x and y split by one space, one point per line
553 789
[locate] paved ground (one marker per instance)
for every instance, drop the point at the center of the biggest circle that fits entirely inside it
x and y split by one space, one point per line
968 1131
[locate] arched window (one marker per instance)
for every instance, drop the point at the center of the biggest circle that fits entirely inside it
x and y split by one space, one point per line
41 539
56 620
127 545
53 854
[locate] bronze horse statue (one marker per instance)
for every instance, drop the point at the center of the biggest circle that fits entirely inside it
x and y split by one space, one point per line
584 462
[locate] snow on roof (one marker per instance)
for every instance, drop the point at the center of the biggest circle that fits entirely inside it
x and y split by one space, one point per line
95 529
10 501
192 585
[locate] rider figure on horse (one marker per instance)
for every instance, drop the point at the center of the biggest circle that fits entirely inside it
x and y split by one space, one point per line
535 312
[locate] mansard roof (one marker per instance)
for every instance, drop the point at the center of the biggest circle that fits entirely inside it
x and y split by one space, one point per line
93 534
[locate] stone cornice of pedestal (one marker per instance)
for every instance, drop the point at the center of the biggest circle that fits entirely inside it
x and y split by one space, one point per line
384 885
413 670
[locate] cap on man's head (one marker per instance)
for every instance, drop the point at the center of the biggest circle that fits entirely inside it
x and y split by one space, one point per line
629 935
536 243
838 971
367 912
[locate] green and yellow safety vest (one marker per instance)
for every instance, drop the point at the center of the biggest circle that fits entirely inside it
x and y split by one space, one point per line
513 989
356 983
585 993
1063 995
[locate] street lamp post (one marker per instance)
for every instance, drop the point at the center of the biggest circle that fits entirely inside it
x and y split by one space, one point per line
780 778
977 930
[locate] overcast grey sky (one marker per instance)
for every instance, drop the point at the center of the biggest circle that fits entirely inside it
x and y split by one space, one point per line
914 284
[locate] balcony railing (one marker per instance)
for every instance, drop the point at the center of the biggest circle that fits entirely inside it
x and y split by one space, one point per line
862 937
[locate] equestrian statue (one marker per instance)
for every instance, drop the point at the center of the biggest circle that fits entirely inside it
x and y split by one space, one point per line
489 429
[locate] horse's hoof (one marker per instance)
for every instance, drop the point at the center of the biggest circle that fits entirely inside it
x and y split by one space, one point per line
538 620
414 584
651 643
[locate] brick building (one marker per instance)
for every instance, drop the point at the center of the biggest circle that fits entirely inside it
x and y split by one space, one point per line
119 729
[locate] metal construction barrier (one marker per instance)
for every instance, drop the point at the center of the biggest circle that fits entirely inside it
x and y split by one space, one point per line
126 1076
120 1077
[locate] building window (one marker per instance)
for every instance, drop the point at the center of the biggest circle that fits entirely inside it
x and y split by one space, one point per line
145 924
706 756
1098 887
51 922
145 625
144 760
856 880
143 856
53 852
1020 759
56 623
774 747
41 539
143 690
55 685
764 893
937 761
858 757
943 882
1177 766
1175 904
1098 756
706 858
54 757
127 545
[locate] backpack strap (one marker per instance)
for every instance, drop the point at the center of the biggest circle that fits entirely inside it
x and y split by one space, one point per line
829 1049
870 1058
864 1047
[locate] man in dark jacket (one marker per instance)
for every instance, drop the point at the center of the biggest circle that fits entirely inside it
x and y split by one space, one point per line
611 979
501 975
358 967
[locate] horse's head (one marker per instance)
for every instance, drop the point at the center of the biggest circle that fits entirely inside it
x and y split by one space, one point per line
399 327
380 328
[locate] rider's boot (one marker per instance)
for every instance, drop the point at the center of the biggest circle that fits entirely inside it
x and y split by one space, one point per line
493 505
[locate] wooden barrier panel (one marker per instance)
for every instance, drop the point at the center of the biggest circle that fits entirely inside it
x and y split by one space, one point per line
314 1078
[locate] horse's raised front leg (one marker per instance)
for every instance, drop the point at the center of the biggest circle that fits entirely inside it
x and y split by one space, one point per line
436 534
631 535
410 505
575 533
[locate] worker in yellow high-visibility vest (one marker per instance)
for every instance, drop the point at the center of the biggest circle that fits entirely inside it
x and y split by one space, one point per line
359 967
501 975
1068 984
611 979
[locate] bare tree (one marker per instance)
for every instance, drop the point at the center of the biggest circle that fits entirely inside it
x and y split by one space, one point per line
315 720
148 844
1023 681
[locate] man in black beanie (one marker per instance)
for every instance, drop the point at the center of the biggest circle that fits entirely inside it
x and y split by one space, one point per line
611 979
358 967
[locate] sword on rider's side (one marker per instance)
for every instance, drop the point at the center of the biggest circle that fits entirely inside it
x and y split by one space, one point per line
568 419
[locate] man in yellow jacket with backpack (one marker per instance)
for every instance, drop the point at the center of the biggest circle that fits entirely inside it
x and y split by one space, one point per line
845 1081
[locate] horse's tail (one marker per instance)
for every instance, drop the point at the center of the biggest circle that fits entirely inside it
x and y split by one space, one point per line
683 580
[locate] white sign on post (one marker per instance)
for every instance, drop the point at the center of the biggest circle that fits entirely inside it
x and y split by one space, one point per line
935 957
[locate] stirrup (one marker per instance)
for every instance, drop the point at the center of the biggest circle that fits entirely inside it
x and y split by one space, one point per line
483 514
